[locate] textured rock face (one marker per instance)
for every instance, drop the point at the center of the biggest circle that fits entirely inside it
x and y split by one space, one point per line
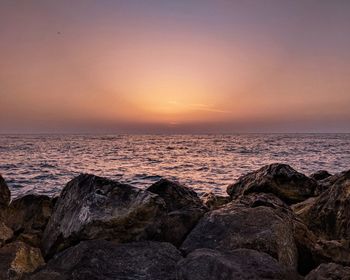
18 259
29 215
92 207
329 271
213 201
279 179
320 175
328 216
238 264
106 261
5 194
182 212
238 226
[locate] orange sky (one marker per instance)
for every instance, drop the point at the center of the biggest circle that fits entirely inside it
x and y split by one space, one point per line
197 65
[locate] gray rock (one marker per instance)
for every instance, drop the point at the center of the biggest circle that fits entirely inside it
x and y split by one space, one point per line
182 212
100 259
329 271
91 207
235 226
5 194
278 179
241 264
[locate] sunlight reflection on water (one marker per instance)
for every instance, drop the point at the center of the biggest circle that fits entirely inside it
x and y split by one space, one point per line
44 164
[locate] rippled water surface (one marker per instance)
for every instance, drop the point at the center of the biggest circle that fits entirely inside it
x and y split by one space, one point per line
44 164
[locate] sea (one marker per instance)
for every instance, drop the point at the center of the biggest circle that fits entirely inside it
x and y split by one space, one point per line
43 164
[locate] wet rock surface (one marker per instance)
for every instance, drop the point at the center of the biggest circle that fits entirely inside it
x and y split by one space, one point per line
91 207
278 179
99 259
237 264
183 208
320 175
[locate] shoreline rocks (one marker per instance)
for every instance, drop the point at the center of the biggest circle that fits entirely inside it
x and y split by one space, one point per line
276 223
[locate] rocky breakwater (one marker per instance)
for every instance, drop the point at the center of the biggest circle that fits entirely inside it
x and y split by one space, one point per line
275 223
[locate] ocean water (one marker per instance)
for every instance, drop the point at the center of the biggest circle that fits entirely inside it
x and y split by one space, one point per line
44 164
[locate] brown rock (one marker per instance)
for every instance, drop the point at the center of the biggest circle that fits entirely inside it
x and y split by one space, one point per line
278 179
18 259
213 201
29 215
6 234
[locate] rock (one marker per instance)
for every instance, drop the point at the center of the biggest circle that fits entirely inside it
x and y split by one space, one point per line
264 199
29 215
100 259
5 194
326 183
18 259
237 264
328 216
237 226
279 179
183 210
320 175
91 207
6 234
213 201
329 271
313 251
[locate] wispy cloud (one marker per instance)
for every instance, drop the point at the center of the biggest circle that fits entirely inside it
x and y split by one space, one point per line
198 107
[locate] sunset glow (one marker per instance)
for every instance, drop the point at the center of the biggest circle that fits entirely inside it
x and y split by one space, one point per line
228 66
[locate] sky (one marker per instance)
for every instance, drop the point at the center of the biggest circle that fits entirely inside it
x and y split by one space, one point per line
174 66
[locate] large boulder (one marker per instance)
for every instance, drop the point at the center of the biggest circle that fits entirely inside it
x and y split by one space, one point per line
100 259
5 194
241 264
28 216
236 225
183 210
91 207
279 179
328 216
18 259
329 271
